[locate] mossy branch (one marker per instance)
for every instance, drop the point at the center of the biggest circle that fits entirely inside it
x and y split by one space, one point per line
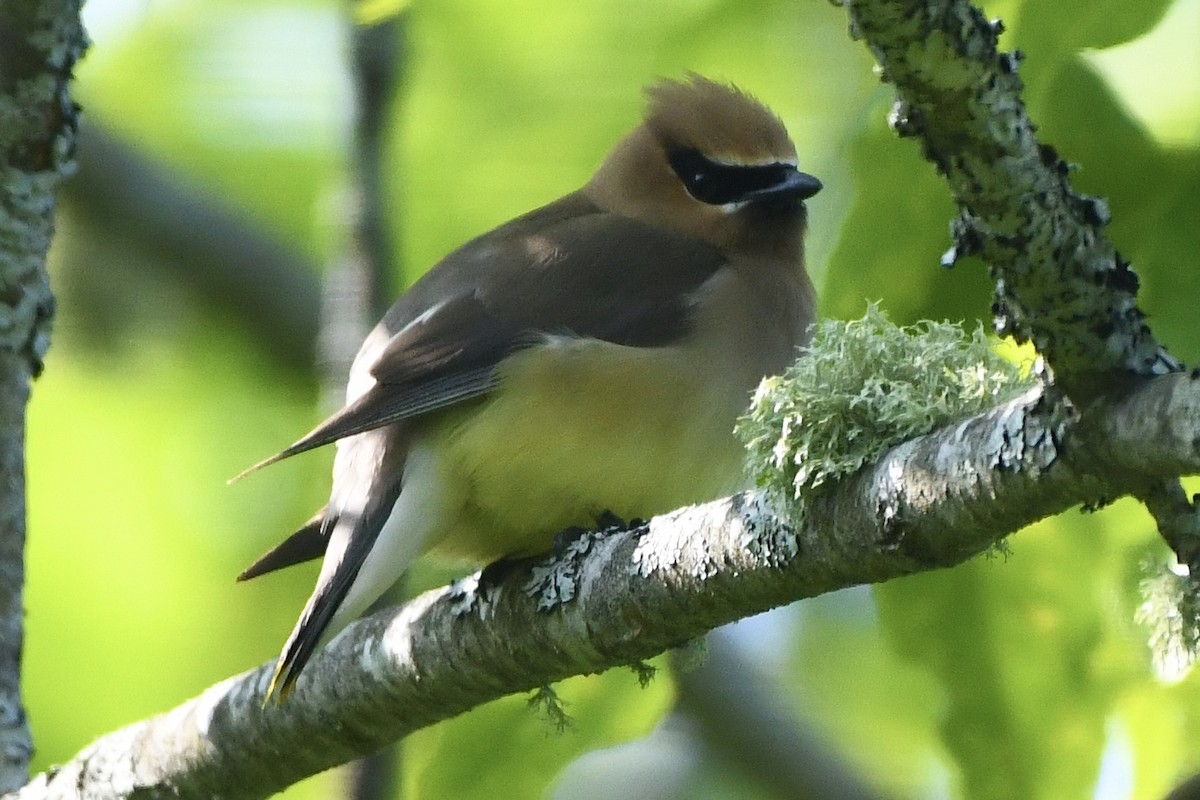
1060 283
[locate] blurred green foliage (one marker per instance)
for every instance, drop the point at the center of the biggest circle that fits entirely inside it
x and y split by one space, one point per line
1021 676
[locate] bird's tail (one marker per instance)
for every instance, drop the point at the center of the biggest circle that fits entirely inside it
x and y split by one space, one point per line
309 634
358 567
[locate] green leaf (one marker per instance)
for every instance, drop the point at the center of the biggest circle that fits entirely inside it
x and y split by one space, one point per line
373 12
1066 26
880 710
1170 109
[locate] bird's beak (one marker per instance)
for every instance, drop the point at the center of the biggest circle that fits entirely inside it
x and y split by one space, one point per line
792 184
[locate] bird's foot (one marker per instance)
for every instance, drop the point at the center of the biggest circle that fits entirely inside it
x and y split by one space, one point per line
473 591
497 572
606 521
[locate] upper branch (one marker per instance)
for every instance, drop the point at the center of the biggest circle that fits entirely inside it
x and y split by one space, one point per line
1059 281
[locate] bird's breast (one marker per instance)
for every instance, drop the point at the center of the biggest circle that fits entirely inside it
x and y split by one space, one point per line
578 427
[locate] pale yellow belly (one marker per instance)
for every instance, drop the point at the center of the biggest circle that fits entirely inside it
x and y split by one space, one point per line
580 428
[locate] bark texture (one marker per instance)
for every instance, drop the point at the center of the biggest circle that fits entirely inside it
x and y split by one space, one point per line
1060 283
39 45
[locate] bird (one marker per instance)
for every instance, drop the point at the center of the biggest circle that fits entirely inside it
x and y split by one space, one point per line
587 358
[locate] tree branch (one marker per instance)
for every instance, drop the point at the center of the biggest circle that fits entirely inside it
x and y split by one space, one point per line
39 45
1178 520
622 597
1059 281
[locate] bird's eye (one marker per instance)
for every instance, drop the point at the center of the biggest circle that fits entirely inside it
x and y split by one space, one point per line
697 174
718 184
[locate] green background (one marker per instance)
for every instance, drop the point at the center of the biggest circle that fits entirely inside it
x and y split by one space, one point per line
1019 676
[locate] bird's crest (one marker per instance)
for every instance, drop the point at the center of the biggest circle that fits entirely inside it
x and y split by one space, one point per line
719 120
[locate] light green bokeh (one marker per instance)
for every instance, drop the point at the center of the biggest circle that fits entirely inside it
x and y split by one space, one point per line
1157 76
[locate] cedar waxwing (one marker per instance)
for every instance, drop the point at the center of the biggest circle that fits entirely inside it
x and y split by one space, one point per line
590 356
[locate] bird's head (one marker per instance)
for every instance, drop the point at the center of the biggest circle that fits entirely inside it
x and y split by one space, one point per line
710 160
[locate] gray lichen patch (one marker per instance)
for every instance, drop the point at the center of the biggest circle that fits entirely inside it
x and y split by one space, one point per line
674 543
561 579
699 542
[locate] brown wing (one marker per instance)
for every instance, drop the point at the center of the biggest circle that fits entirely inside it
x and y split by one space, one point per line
568 268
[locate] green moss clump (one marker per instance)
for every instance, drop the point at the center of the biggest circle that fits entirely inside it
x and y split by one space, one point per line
862 387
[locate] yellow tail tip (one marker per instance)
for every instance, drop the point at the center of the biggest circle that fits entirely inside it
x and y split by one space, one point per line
279 689
266 462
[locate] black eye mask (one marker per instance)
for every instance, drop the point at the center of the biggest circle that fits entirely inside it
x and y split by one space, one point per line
718 184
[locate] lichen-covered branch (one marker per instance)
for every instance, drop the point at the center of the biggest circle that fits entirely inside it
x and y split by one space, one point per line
39 45
621 597
1059 281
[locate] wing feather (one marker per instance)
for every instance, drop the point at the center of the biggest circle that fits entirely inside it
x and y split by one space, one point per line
568 268
305 544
